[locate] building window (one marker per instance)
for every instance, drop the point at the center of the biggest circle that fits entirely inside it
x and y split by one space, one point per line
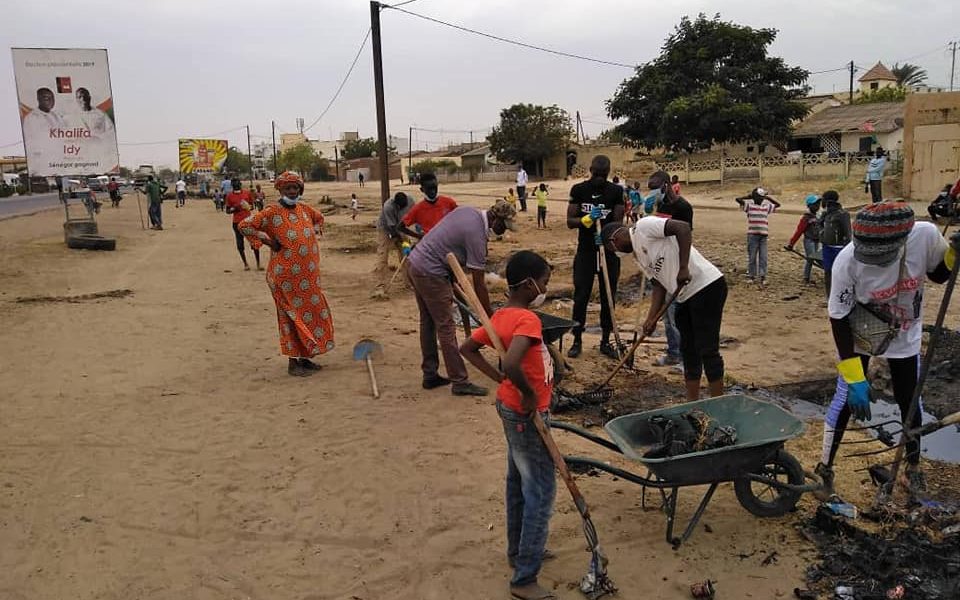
749 149
874 85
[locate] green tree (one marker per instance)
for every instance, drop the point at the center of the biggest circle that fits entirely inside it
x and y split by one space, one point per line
887 94
126 172
300 158
436 166
908 74
362 148
237 162
320 171
712 83
527 132
167 174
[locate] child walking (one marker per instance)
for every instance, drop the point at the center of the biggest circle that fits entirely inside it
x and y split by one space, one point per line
526 385
541 195
758 206
810 230
258 198
511 197
354 207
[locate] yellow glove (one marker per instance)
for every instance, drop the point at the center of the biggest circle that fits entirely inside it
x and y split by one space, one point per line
950 258
587 221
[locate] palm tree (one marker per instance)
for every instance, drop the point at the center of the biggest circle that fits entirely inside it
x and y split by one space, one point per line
908 74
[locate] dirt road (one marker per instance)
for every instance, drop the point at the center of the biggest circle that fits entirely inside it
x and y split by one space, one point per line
152 445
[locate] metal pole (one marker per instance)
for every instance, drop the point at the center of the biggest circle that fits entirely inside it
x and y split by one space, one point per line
851 81
336 161
273 134
249 157
953 62
381 108
410 155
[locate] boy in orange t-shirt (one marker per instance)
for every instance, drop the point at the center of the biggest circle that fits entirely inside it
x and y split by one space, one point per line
526 385
240 204
429 211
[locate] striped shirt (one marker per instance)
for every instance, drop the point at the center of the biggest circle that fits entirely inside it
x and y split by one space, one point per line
758 216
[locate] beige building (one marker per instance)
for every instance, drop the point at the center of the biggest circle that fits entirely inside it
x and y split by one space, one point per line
931 144
877 78
852 128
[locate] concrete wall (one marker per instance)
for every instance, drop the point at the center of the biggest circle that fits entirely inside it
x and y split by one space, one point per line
931 143
850 142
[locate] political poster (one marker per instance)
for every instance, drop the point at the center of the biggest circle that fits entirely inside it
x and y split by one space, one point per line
66 111
202 156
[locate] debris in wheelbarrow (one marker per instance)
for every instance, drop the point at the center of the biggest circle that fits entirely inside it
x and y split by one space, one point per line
694 431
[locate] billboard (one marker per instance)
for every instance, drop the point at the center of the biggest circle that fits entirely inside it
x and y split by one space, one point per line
202 156
66 111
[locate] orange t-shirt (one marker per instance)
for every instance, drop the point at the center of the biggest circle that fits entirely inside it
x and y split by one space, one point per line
428 214
233 201
537 365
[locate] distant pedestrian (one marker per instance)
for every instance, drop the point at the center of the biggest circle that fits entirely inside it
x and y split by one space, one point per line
808 228
522 188
835 233
360 177
239 204
114 188
511 198
181 187
874 176
155 190
258 198
541 195
675 184
226 186
758 206
354 207
635 209
218 200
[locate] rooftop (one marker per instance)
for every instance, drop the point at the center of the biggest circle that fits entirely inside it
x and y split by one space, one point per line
879 117
879 72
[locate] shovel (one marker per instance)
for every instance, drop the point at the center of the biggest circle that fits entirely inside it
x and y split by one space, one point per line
365 350
595 583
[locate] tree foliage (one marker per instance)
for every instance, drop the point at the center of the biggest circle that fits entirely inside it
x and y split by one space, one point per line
908 74
527 132
887 94
237 163
362 148
167 174
126 172
436 166
301 158
712 83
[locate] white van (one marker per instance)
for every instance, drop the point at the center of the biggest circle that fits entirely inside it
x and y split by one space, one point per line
11 179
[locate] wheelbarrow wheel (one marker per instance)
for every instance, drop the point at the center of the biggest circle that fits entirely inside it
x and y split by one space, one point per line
765 500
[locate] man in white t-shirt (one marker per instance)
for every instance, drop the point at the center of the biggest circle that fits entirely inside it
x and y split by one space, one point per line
181 187
882 271
522 188
662 247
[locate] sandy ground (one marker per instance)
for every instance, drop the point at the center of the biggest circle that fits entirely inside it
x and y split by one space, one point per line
152 445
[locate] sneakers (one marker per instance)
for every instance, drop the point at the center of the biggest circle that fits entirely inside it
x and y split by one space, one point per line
607 349
436 381
825 474
666 361
468 389
575 349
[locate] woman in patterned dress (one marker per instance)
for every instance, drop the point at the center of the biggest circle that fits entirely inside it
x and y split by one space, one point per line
290 229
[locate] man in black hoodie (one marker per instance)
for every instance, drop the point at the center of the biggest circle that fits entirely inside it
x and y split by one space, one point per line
593 204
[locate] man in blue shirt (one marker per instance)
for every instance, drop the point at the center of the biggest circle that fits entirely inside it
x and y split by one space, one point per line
874 178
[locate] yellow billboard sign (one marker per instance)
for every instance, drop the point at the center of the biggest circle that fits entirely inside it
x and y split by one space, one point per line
202 156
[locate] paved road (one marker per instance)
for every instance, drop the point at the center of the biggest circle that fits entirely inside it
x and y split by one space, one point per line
22 205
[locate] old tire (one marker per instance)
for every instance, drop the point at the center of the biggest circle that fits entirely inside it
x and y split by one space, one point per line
91 242
765 500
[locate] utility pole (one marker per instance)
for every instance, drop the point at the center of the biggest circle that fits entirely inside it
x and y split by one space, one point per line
851 81
336 161
249 156
273 134
953 62
381 108
410 155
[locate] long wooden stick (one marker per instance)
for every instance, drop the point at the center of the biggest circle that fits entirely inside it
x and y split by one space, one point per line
636 344
609 294
395 273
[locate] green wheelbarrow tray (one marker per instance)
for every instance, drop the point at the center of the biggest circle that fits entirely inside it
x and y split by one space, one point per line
762 428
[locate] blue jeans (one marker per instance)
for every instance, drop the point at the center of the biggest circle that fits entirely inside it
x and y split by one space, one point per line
756 255
810 249
673 334
531 487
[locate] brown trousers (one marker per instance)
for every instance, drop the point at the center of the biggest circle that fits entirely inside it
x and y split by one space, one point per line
435 301
386 246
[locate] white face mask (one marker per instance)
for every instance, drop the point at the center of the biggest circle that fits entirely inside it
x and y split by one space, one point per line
541 297
288 201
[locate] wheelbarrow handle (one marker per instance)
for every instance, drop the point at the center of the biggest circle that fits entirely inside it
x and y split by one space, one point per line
951 419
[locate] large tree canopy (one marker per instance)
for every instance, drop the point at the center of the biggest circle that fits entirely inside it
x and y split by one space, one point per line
529 132
712 83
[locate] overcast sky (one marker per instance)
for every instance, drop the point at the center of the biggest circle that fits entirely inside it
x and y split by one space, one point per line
189 68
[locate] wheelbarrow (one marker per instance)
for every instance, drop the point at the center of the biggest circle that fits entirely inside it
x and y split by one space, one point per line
554 328
767 480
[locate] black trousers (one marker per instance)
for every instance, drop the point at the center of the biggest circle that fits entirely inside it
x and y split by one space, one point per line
698 319
239 237
522 195
584 273
876 191
903 376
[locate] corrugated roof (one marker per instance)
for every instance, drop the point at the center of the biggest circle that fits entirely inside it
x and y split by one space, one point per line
878 73
481 151
880 117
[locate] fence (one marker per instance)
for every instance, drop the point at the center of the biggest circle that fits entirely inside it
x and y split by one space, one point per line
758 168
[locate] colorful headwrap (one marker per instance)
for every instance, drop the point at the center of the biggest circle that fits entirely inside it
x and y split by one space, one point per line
287 177
880 230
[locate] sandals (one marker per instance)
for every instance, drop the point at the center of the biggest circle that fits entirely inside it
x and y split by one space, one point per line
531 591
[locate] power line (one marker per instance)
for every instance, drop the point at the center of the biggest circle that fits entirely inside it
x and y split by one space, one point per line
342 83
843 68
509 41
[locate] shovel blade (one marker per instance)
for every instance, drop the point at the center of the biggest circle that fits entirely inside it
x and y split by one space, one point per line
367 347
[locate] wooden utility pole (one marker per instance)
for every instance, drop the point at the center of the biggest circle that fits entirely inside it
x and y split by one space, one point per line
953 62
336 161
851 81
273 134
249 157
381 108
410 155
